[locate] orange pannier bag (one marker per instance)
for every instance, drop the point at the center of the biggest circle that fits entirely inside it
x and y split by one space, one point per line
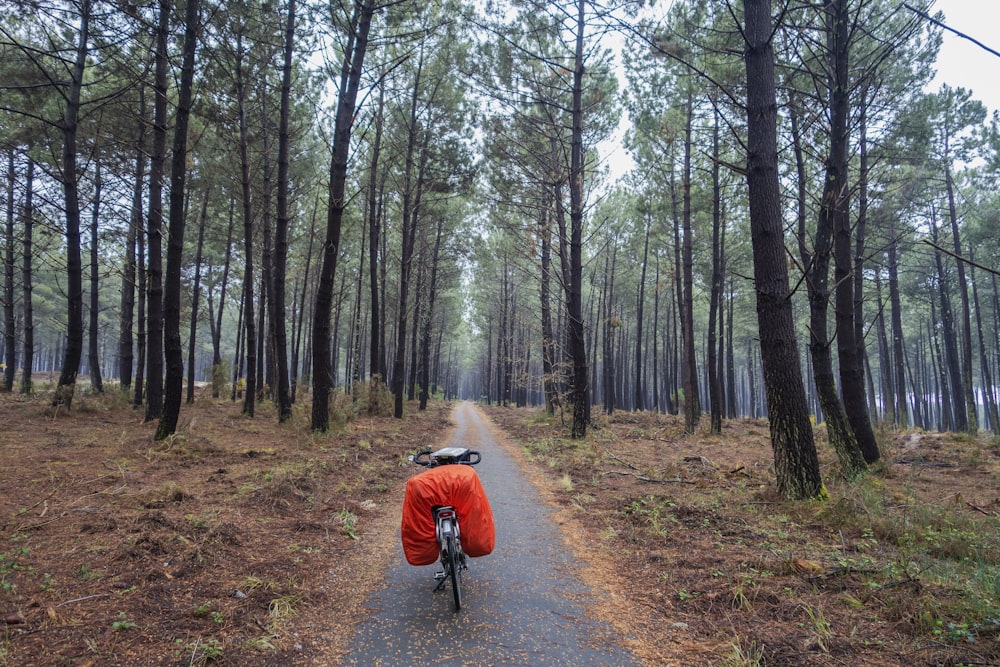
455 485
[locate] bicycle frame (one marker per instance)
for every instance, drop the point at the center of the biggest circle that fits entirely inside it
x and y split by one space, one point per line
449 538
446 525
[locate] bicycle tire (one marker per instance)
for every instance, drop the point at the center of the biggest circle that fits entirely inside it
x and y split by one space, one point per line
455 570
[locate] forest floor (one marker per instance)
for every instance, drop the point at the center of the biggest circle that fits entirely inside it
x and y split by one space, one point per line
246 542
899 568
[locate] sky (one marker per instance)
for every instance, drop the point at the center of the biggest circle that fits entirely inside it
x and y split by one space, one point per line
962 63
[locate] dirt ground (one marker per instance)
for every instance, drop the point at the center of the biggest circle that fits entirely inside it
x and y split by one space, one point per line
246 542
900 568
239 542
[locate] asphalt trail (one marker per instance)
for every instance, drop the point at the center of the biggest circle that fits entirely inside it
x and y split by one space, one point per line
522 604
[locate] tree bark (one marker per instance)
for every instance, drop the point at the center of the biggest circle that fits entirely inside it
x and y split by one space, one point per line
896 320
836 206
639 394
609 329
817 263
656 335
283 221
172 346
247 303
217 375
577 340
795 461
951 356
125 349
70 183
428 320
715 300
96 383
10 337
350 80
28 218
972 418
294 380
545 296
195 298
689 370
984 363
154 222
376 355
946 415
140 334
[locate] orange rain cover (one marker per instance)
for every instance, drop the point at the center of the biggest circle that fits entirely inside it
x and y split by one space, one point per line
455 485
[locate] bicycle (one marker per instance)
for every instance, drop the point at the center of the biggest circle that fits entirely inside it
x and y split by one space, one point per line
446 525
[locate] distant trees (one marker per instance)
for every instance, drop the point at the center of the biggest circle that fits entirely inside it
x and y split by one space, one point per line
474 244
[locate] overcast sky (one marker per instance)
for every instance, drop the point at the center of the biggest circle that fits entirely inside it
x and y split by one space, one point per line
960 62
963 63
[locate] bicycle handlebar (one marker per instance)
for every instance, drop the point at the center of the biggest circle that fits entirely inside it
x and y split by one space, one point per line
446 456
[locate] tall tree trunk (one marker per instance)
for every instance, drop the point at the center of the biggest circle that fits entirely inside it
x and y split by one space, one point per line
795 462
715 300
689 370
429 319
247 303
125 355
218 379
946 415
140 320
411 385
238 383
955 396
376 355
265 313
96 383
984 362
724 387
919 389
609 328
195 298
837 207
71 195
173 348
577 340
353 375
28 223
335 346
10 338
639 394
294 380
350 80
896 319
281 231
996 325
860 238
817 264
656 335
408 234
731 408
968 385
154 222
545 296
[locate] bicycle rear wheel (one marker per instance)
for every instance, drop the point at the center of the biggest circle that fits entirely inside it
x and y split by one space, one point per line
455 569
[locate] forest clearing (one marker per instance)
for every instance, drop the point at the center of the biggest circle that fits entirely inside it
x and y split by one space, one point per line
247 542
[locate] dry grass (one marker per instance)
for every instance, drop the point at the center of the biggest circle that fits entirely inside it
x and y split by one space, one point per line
899 568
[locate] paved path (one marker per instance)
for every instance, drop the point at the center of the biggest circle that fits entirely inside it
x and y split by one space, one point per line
522 604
